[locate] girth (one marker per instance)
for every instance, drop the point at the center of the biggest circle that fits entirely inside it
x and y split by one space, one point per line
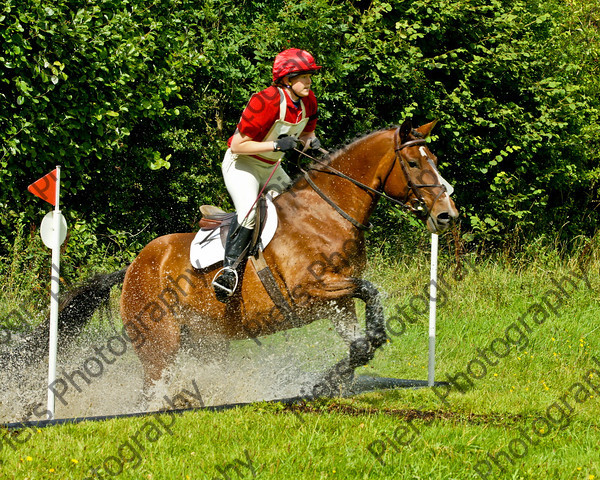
272 288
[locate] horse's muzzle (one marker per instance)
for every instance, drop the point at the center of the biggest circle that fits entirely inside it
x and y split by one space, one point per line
442 218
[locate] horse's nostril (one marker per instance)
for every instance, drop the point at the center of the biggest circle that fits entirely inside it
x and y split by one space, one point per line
444 217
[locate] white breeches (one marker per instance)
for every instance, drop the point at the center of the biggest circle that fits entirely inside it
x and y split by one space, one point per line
244 177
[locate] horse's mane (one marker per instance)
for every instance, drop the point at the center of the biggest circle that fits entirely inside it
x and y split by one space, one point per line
337 150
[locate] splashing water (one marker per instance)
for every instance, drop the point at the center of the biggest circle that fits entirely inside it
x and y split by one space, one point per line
91 381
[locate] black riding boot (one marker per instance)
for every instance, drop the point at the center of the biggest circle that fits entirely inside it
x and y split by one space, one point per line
237 241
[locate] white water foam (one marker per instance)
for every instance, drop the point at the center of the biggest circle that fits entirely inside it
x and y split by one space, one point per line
283 365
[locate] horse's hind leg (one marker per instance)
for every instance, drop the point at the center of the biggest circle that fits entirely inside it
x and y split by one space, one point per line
156 356
206 348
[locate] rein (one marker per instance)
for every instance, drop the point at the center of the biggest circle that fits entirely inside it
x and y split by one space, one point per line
421 208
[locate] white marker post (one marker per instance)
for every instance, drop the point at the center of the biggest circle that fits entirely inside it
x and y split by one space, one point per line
54 289
432 309
53 232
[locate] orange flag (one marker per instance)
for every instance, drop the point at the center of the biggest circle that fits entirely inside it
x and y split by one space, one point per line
45 187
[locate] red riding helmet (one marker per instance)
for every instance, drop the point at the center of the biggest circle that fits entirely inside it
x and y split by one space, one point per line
293 61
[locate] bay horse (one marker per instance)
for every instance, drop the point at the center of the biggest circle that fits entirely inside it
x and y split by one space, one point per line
317 257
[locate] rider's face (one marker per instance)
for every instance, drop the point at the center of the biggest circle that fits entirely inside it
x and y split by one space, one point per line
300 85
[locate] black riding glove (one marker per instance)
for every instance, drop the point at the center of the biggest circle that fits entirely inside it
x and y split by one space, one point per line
285 143
315 144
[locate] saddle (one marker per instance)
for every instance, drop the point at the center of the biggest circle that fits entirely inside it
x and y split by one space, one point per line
214 217
208 245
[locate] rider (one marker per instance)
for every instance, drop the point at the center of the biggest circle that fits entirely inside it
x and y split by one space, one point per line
272 123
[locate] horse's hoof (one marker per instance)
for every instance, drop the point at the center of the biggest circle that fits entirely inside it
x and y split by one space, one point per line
361 352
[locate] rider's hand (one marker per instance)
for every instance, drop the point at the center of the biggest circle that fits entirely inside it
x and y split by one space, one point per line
315 144
285 143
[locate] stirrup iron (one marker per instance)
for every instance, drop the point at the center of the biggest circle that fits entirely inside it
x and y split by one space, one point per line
215 284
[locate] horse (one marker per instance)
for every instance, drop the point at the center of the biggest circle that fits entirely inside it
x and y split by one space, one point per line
317 258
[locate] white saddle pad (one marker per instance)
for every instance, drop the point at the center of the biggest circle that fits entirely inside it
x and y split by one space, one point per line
207 248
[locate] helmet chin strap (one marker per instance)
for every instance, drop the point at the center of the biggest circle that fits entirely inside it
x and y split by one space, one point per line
291 92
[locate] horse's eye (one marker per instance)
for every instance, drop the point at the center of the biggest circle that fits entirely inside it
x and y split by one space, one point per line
412 163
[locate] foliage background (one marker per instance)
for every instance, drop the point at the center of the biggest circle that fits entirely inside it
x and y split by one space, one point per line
136 101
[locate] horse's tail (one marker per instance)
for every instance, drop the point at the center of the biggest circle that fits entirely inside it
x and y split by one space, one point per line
75 310
78 305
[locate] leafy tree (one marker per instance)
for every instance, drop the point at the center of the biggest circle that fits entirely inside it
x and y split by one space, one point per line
136 101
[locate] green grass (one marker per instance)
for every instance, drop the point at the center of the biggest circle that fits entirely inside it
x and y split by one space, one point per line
331 439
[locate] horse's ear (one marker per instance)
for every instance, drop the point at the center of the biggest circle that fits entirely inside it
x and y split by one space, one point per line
426 129
405 130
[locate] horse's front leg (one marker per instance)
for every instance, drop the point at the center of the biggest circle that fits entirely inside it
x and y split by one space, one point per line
344 319
361 348
375 322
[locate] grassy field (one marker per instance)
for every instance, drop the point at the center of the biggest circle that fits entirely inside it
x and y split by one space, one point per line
518 342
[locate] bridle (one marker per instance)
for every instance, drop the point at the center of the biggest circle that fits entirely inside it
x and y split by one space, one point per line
418 206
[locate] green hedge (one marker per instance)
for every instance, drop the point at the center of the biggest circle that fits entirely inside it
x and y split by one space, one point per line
137 99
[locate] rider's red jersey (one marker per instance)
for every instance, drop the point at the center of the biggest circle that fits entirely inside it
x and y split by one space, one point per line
262 112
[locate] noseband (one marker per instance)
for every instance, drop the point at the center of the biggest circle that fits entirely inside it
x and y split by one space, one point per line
420 209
